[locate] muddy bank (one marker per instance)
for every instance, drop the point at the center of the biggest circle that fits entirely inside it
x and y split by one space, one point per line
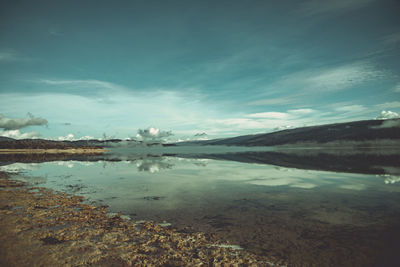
40 227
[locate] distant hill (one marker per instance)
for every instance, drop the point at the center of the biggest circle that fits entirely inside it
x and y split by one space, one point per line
9 143
368 163
3 138
358 131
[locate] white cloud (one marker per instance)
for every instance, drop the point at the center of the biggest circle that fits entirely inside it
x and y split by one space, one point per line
11 126
86 137
239 123
275 181
281 128
71 137
267 121
125 110
275 121
152 134
272 117
303 185
351 108
388 115
16 134
269 115
301 111
15 124
68 137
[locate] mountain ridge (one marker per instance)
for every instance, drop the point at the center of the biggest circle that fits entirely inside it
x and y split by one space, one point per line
358 131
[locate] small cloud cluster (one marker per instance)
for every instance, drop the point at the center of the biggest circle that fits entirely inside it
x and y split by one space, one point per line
152 135
391 119
16 124
385 115
68 137
12 126
71 137
16 134
281 128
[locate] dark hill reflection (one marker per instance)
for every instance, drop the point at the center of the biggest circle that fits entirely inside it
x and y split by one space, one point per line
318 160
367 161
310 207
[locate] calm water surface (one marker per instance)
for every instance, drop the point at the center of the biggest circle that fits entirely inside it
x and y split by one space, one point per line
308 217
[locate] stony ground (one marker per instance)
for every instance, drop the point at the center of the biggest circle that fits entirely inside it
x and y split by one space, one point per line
39 227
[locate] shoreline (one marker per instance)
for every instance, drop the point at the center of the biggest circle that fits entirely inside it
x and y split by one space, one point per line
58 229
53 151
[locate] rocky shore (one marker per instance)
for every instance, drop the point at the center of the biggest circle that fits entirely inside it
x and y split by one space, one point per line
40 227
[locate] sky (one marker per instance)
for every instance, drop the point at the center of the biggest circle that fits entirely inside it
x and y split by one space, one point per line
99 69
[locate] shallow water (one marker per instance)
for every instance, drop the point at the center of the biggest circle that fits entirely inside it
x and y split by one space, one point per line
308 217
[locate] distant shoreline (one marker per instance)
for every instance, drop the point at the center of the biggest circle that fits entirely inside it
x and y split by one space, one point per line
53 151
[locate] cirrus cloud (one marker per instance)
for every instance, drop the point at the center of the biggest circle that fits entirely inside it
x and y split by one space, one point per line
270 115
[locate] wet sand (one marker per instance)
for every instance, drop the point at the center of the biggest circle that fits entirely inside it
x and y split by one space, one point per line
40 227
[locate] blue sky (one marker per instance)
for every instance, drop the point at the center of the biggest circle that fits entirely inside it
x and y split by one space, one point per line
220 67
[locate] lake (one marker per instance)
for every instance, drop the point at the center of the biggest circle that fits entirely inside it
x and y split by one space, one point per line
310 208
